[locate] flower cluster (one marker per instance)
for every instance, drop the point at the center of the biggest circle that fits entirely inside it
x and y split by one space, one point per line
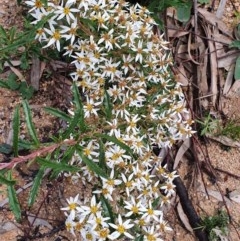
130 98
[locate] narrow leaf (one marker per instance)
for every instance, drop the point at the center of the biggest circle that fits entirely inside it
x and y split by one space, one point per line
107 105
139 238
78 102
93 166
108 212
73 124
237 69
6 181
16 129
3 84
57 166
58 113
102 160
35 187
13 200
184 12
30 125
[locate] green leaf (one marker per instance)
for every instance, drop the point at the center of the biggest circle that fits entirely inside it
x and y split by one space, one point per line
12 82
93 166
57 166
13 200
24 61
139 238
237 69
78 103
58 113
3 84
102 160
3 33
35 187
115 141
107 209
30 125
203 1
235 44
16 129
184 12
6 181
5 148
26 91
73 124
107 106
155 203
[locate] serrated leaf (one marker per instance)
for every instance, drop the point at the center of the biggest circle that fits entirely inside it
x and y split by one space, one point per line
26 91
13 200
237 69
57 166
107 106
93 166
30 125
12 82
35 187
115 141
58 113
16 129
6 181
107 209
3 84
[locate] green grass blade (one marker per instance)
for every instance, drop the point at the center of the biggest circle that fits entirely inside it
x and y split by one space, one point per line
115 141
108 212
107 106
58 113
16 129
35 187
13 200
237 69
6 181
78 103
102 159
30 125
93 166
73 124
57 166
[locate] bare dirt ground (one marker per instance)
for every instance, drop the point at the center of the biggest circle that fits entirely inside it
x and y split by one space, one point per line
45 221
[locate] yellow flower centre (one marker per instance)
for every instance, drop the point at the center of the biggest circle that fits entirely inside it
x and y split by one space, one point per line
89 236
56 35
68 226
66 10
87 151
38 4
89 107
121 229
94 209
150 237
150 211
128 183
141 222
103 233
79 226
135 209
104 191
110 182
72 206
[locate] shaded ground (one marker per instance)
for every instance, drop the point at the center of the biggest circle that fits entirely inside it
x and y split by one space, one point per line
46 211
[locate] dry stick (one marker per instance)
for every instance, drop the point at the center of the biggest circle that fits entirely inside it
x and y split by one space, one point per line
40 152
189 210
226 172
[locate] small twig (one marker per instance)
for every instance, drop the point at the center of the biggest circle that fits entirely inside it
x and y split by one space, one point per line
37 153
226 172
